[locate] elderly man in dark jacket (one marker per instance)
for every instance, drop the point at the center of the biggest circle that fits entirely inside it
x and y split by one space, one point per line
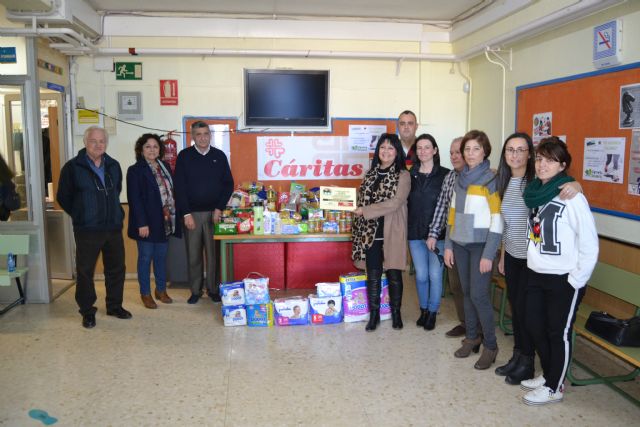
89 191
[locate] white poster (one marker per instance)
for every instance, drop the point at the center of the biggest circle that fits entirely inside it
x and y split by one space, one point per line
363 138
634 164
630 106
541 126
604 159
284 158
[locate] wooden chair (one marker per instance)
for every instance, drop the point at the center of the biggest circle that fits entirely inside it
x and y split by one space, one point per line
17 244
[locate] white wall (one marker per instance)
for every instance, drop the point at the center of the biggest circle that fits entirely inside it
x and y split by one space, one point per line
563 52
212 86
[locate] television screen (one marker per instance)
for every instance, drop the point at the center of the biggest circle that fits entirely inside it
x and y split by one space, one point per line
286 98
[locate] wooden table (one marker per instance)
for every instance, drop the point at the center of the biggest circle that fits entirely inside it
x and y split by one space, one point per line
227 242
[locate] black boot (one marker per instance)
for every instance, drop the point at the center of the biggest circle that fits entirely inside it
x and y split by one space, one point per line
395 297
374 286
524 370
424 314
506 369
430 324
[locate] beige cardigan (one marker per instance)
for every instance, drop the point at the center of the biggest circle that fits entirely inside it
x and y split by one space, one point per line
394 211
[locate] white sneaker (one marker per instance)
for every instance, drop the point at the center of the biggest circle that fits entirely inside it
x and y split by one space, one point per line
543 395
532 384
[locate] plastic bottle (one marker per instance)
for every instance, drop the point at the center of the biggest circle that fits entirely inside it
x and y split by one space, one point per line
258 218
272 197
11 263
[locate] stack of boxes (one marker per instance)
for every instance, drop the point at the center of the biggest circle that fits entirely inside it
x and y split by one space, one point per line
234 312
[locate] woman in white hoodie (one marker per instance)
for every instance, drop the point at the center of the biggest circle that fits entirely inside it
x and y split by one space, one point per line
561 255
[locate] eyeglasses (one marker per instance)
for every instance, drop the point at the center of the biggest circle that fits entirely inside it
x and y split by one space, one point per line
517 151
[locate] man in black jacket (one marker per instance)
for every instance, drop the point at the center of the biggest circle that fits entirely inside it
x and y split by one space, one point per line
203 185
89 191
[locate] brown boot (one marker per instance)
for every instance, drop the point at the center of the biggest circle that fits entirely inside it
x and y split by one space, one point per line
486 358
163 296
467 347
148 301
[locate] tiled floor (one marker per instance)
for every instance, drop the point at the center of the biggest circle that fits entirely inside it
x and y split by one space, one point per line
179 366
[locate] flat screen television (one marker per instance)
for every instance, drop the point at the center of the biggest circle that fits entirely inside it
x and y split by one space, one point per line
286 98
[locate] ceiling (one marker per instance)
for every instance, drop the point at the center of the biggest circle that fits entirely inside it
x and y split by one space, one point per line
443 11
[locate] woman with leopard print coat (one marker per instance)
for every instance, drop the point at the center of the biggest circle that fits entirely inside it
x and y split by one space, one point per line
380 226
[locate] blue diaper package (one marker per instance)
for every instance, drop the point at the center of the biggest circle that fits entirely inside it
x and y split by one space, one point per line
291 311
232 293
256 290
260 315
234 315
325 310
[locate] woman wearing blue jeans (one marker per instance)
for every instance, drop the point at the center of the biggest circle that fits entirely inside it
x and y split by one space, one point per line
152 215
427 177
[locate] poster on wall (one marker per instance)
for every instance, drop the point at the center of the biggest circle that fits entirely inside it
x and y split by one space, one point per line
604 159
634 164
630 106
363 138
283 158
541 126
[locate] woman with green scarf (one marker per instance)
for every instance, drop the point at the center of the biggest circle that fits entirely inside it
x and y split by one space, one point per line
561 255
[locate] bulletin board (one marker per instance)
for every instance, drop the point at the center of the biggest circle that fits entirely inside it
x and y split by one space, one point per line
244 161
586 106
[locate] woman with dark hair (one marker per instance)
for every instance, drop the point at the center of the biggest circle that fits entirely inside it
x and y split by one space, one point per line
473 235
380 226
9 199
515 171
152 215
561 255
427 177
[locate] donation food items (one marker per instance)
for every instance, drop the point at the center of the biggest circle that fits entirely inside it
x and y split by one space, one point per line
287 212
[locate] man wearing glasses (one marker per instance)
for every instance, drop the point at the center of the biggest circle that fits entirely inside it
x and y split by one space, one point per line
89 192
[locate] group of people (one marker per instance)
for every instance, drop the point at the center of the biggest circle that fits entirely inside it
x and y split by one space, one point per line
529 217
161 204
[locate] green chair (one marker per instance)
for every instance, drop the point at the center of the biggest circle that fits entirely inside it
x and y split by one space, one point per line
17 244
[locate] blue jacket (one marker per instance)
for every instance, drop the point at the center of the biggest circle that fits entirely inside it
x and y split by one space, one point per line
91 205
145 204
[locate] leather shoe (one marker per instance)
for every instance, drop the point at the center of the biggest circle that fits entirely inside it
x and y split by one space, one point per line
120 313
88 320
215 297
163 296
193 299
457 331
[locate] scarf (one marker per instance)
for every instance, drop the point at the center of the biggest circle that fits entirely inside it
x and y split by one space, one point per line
165 185
537 194
472 176
364 230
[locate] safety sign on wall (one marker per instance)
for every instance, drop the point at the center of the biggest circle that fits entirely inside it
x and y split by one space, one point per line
607 44
128 70
168 92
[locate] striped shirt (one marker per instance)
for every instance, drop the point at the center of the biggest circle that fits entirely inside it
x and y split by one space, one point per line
515 214
442 207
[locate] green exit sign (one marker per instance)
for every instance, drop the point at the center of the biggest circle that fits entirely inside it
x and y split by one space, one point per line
128 70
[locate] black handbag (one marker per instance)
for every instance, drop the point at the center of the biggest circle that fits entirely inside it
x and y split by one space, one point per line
623 333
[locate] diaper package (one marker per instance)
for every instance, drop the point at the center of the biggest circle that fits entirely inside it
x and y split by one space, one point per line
291 311
256 290
232 293
325 310
234 315
260 315
328 289
354 297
